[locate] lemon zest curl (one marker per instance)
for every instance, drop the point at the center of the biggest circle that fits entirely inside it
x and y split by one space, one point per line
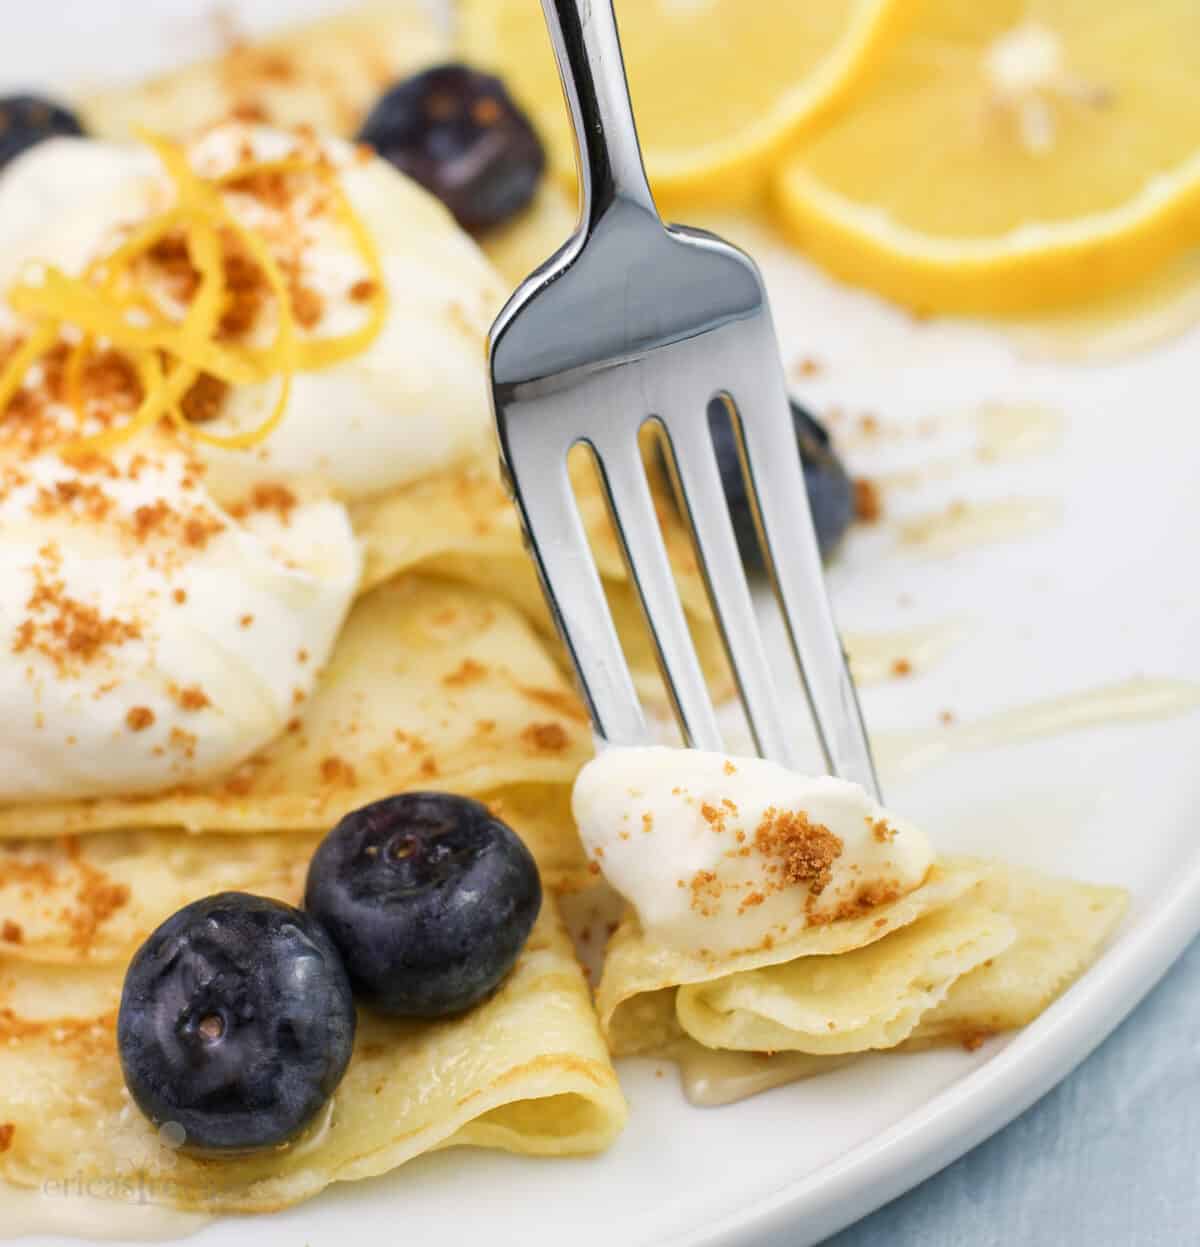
169 354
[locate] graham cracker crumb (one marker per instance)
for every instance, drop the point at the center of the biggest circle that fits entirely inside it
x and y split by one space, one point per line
267 497
868 501
193 698
63 629
706 892
881 831
97 900
806 851
204 400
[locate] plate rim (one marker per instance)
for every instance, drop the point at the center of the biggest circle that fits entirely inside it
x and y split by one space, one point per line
985 1100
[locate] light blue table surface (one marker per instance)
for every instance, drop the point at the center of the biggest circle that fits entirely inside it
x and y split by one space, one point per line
1110 1158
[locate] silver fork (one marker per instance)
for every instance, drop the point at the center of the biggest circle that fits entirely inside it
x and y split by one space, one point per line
634 321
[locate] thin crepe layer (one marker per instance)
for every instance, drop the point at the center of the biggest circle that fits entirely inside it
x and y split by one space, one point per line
431 685
870 997
981 947
1061 928
325 74
525 1072
477 539
94 899
637 993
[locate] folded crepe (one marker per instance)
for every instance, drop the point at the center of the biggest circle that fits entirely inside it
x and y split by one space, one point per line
526 1071
477 539
431 685
324 73
94 899
1061 926
979 947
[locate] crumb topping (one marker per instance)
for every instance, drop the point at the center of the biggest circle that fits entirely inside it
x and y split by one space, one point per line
880 829
203 401
68 632
868 501
273 497
800 853
192 698
96 901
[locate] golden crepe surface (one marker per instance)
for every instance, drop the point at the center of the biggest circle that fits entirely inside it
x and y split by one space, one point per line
432 685
526 1072
95 899
1061 927
477 539
869 997
979 947
325 74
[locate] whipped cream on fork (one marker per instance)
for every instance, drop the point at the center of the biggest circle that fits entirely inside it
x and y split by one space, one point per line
720 854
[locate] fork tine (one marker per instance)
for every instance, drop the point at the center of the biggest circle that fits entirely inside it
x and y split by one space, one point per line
573 590
759 394
632 509
729 590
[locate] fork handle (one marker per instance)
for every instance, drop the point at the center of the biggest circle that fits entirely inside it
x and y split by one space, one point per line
588 50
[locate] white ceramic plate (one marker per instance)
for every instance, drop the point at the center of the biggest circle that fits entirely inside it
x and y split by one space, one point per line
1100 592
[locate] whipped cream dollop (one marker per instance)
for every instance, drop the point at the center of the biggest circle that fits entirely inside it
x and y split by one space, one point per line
413 402
148 637
719 854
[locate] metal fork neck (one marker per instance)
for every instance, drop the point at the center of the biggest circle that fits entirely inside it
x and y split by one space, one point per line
588 49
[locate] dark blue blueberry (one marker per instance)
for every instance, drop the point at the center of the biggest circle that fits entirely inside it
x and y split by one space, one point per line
830 490
429 899
28 119
236 1022
459 133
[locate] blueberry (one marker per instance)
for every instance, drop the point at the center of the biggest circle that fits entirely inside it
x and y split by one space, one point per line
28 119
830 490
458 133
236 1022
429 899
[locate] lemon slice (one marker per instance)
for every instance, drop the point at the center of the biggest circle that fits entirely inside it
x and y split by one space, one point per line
1009 155
718 85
